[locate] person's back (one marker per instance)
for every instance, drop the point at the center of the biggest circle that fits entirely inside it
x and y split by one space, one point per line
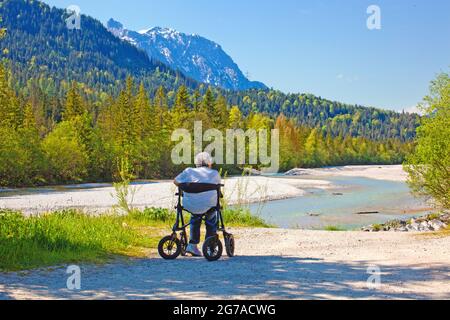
202 202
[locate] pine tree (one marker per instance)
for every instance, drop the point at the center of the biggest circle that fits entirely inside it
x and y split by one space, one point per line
161 109
75 106
235 120
181 111
196 101
145 119
29 119
206 113
315 149
10 114
124 130
208 102
2 31
220 113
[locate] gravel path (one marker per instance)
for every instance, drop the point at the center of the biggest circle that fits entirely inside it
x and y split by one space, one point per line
271 264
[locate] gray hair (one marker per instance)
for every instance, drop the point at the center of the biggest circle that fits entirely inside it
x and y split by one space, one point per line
203 159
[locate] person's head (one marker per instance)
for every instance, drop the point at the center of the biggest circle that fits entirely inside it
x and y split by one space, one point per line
203 159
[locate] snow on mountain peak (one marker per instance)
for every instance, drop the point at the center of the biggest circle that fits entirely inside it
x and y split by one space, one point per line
197 57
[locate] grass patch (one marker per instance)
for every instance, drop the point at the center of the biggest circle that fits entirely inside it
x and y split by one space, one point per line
150 215
377 227
333 228
433 216
72 237
242 217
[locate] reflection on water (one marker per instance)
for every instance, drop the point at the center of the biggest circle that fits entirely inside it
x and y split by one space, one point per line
339 207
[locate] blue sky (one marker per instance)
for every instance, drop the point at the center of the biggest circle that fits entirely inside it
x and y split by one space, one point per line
320 47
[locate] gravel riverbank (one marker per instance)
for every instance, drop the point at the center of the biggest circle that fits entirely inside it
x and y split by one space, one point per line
270 264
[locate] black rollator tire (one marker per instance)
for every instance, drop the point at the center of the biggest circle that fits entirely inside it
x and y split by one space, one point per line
184 245
212 249
169 248
230 245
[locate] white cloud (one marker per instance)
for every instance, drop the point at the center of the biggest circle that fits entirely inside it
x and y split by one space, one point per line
348 79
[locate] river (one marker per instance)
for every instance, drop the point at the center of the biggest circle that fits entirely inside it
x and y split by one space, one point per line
378 200
318 207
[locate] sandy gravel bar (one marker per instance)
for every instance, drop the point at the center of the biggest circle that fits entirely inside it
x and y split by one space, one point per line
390 173
251 189
161 195
271 264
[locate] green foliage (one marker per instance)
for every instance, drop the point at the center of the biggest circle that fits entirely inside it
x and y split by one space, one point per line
154 214
337 119
2 30
41 47
66 156
70 108
67 237
333 228
305 147
74 104
21 159
9 106
242 217
124 193
72 237
429 165
93 136
377 227
54 57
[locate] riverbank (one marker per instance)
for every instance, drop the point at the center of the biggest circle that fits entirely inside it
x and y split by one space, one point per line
161 194
387 172
270 264
158 194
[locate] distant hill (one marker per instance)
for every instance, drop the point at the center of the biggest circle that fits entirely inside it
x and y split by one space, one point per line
44 54
332 117
39 43
195 56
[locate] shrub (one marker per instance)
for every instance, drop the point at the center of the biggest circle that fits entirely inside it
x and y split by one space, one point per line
67 158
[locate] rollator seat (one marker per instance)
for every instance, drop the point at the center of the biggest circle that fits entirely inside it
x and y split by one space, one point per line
196 188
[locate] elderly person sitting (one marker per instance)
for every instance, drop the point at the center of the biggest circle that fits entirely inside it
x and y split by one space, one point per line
199 204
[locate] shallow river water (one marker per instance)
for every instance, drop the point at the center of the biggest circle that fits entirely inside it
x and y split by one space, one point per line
385 200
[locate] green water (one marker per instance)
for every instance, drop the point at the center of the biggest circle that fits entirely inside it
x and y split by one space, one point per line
392 200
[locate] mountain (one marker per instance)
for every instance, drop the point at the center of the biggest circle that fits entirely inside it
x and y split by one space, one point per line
195 56
44 56
38 44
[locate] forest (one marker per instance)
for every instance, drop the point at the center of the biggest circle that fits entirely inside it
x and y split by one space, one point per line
74 105
45 57
82 140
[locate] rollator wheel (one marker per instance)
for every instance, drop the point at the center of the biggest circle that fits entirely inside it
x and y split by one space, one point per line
212 249
229 245
169 248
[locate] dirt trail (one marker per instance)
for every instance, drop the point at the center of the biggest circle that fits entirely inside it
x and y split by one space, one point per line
271 264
